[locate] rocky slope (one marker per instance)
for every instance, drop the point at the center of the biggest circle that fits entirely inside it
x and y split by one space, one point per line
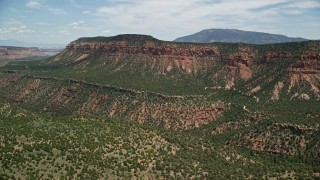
163 57
80 98
15 53
255 67
236 36
263 98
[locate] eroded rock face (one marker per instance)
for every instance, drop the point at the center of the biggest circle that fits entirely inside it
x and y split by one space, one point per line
7 80
242 60
162 58
80 98
244 55
228 65
307 69
309 63
271 139
274 56
148 48
178 116
276 91
238 66
13 53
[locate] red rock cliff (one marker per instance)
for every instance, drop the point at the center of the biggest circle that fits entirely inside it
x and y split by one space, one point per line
14 53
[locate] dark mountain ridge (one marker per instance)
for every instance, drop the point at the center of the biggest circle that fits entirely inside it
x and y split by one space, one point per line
121 37
236 36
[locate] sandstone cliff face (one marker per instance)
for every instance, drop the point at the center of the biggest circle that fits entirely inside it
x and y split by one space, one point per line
272 139
307 69
80 98
274 56
163 58
243 59
309 62
229 65
147 48
14 53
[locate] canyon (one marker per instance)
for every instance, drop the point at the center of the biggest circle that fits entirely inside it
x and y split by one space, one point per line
244 103
222 65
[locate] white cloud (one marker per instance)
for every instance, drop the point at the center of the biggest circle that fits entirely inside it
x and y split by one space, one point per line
168 19
42 4
57 11
293 11
80 25
293 7
42 23
14 29
105 31
64 32
74 24
305 4
167 12
77 23
35 4
171 18
72 1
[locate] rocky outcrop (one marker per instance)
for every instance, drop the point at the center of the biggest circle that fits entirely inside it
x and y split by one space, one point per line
307 69
276 91
274 56
148 48
242 59
160 57
278 138
81 98
225 65
178 116
14 53
309 63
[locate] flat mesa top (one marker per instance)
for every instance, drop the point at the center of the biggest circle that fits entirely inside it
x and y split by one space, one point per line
121 37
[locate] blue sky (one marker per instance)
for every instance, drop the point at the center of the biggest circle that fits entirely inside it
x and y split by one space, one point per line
62 21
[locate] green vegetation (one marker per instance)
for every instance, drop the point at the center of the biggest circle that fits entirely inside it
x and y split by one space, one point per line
135 39
124 115
3 63
136 71
40 147
185 85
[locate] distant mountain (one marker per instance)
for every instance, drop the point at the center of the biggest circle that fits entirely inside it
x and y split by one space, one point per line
20 53
16 43
236 36
51 51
